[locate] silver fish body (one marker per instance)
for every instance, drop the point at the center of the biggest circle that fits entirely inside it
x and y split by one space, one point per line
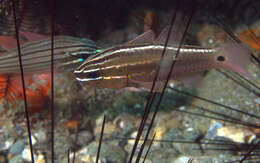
135 65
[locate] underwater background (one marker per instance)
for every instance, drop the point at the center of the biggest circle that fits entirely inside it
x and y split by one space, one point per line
217 121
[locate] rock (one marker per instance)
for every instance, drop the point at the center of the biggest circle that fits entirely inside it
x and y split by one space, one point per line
182 159
63 142
38 156
142 158
40 136
84 137
26 154
218 143
82 156
17 148
132 141
109 153
240 135
3 157
40 159
191 134
213 129
16 159
125 122
110 129
34 141
160 131
257 100
6 144
174 134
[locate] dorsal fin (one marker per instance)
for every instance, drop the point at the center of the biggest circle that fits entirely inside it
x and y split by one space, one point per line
146 37
174 37
176 32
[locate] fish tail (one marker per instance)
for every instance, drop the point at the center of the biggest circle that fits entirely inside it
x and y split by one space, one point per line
235 57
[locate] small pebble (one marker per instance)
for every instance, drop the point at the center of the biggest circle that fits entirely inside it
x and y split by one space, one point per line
40 136
7 144
84 137
182 159
33 140
17 147
213 129
182 108
16 159
257 100
108 153
26 155
3 158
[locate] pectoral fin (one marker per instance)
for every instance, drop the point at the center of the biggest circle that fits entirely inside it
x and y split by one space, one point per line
193 80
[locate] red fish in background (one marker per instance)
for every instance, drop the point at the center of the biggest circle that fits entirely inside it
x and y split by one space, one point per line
151 21
251 37
37 85
7 42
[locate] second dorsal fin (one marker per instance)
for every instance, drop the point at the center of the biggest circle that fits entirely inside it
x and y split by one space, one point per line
146 37
176 31
174 37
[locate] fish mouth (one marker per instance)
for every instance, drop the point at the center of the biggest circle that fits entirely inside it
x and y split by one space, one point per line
86 77
240 70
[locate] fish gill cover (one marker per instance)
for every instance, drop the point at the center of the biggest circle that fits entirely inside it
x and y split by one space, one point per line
215 121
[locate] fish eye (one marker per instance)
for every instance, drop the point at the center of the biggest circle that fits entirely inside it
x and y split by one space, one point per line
220 58
84 56
93 75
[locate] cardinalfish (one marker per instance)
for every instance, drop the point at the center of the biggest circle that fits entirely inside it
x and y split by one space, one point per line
134 64
36 54
68 53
